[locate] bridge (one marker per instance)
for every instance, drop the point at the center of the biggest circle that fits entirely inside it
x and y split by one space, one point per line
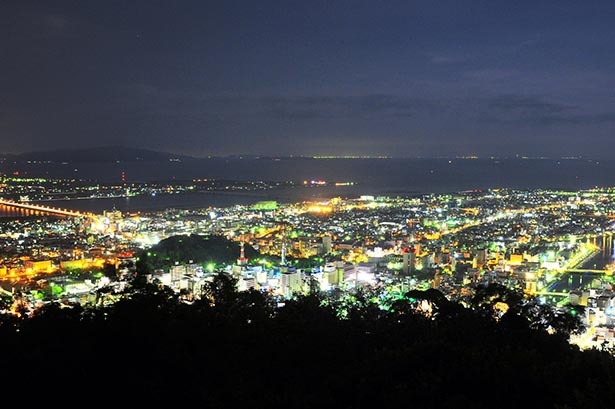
588 270
36 209
558 293
571 279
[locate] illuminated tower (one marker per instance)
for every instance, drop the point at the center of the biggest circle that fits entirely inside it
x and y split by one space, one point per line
283 255
242 260
126 188
283 240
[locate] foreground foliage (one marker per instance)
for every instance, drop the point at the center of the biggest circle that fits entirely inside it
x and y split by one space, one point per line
234 349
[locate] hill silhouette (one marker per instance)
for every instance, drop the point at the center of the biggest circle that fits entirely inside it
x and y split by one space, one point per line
193 248
98 154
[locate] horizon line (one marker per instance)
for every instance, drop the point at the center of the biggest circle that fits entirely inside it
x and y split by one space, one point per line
175 155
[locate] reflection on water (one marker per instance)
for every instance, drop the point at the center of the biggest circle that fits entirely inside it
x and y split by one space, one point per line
9 212
606 255
576 280
191 200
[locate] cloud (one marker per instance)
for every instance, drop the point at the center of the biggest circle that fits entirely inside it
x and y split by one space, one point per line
513 108
371 106
491 75
526 104
534 110
191 103
445 59
602 117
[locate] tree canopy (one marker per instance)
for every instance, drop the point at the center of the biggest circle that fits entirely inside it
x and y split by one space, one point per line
193 248
243 349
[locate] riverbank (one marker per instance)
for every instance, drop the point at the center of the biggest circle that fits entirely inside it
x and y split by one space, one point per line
579 261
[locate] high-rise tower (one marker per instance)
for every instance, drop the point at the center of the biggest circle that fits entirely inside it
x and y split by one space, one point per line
283 254
242 260
124 185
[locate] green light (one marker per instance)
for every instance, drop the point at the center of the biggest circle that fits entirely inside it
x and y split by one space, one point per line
266 205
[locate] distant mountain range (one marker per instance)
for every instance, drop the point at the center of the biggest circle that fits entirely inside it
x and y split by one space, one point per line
107 154
99 154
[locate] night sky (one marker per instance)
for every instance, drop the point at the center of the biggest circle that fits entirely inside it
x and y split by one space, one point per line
397 78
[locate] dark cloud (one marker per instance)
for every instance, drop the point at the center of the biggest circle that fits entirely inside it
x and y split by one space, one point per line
528 110
360 107
536 111
527 104
601 118
307 107
446 59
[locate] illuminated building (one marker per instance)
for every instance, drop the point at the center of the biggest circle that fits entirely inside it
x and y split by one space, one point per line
290 282
246 282
408 262
481 257
332 274
177 275
326 244
42 266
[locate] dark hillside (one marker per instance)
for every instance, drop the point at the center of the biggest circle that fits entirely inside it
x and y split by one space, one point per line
106 154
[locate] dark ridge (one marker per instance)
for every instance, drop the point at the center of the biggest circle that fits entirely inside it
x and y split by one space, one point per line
98 154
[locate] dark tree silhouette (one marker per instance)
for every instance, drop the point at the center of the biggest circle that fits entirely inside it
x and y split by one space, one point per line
244 350
200 249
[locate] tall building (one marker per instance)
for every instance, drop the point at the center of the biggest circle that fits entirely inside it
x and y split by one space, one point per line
481 257
408 261
291 282
326 244
333 274
178 272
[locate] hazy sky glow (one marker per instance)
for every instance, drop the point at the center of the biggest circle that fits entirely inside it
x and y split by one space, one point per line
397 78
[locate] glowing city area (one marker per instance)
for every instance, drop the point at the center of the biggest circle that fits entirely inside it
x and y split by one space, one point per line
553 247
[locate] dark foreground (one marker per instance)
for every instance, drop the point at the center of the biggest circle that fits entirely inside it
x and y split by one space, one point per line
151 349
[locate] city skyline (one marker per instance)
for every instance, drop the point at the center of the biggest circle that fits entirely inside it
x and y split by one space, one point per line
347 78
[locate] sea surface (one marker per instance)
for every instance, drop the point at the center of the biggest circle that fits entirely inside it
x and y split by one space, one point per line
369 176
